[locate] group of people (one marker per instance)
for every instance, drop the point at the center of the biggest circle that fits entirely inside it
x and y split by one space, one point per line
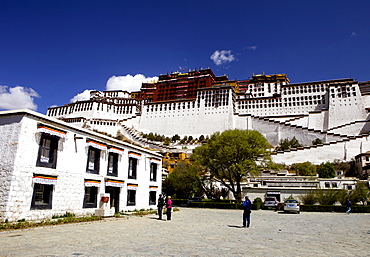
161 203
247 205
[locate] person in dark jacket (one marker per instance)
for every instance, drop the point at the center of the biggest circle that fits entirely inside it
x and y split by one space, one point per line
348 204
247 212
169 207
160 206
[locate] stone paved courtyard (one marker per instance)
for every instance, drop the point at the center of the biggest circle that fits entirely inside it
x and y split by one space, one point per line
199 232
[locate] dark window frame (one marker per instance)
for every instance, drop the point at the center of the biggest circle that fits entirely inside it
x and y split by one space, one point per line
95 159
49 151
90 197
44 192
112 163
153 171
152 197
131 197
132 168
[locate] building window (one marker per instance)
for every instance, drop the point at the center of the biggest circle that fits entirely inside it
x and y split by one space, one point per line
131 197
132 167
152 197
327 184
42 196
93 160
112 164
48 150
90 199
153 172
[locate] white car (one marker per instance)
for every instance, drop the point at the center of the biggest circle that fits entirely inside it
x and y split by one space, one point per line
291 205
270 202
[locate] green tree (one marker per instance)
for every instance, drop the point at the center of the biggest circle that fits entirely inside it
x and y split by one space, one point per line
183 182
326 170
232 155
286 144
175 138
317 141
304 169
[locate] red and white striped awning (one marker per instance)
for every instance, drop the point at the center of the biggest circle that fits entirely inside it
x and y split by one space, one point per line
96 145
44 179
51 131
92 183
134 155
115 150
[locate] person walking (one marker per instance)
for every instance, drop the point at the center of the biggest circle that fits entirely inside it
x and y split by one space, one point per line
160 205
348 204
169 207
247 212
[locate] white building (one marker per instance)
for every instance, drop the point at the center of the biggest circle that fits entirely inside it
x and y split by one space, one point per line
49 167
334 111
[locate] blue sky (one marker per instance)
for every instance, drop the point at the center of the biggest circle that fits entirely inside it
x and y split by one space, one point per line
53 51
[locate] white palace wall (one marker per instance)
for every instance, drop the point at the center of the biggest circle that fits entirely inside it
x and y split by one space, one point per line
20 144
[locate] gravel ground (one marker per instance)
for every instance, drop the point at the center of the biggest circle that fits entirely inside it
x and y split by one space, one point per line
199 232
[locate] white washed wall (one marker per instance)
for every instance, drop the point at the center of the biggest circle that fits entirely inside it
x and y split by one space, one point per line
19 136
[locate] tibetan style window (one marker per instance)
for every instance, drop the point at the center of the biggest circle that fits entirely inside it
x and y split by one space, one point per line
93 160
90 198
48 150
42 196
152 197
112 164
154 169
43 191
132 168
133 164
131 194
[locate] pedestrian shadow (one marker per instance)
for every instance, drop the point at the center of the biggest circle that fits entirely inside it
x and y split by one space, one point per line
154 218
233 226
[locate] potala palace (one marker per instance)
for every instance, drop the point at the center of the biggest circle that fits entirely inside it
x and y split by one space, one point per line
199 103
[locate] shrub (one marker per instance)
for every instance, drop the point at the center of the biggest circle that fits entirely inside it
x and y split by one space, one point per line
329 197
309 198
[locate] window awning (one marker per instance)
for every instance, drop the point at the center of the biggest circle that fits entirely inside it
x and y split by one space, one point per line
115 150
96 145
153 188
156 161
92 183
132 186
134 155
51 131
44 179
114 183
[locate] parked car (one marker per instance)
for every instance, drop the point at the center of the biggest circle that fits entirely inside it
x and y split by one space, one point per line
270 202
291 205
195 199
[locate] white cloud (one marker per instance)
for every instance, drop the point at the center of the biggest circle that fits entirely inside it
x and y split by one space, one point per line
128 83
17 98
354 34
85 95
222 57
252 48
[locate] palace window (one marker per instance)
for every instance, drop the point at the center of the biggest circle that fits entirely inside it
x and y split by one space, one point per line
132 168
131 197
152 197
48 150
153 172
90 198
112 164
42 196
93 160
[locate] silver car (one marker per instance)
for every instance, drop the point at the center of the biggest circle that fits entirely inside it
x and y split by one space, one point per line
270 202
291 205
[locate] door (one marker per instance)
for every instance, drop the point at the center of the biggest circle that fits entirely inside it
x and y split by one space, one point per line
114 197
